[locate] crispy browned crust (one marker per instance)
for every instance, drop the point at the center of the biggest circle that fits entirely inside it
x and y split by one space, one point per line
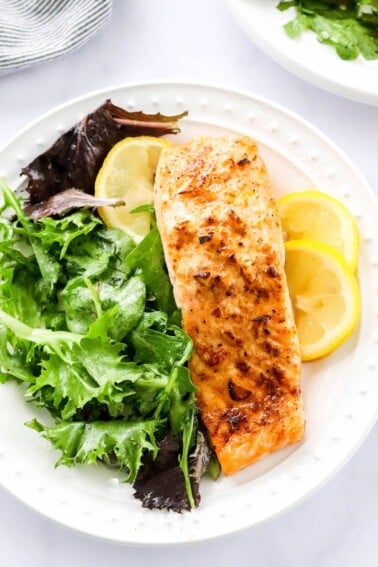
223 246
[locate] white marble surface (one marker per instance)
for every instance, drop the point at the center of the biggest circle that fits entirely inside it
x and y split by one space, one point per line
197 41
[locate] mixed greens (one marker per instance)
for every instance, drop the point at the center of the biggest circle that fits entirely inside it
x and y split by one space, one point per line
89 323
350 26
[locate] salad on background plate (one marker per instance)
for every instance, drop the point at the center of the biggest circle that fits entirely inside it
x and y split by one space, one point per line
350 26
330 43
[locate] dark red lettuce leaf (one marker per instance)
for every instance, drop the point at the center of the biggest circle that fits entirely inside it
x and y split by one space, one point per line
76 157
160 483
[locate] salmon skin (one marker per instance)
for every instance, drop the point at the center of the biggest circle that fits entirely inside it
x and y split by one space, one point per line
225 255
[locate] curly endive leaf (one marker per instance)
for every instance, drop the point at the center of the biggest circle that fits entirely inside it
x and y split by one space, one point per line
90 371
120 443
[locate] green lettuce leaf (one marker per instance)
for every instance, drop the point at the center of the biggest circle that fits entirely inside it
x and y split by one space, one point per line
15 358
157 342
149 257
89 371
84 302
92 255
117 442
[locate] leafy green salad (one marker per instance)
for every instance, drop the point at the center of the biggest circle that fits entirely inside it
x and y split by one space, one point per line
89 323
350 26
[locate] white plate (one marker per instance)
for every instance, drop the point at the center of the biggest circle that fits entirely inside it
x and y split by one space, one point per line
340 392
305 56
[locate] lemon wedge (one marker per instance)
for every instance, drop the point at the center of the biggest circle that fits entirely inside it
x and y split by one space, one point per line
324 295
314 215
128 173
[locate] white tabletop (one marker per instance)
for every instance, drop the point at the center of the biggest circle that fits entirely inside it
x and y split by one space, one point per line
197 41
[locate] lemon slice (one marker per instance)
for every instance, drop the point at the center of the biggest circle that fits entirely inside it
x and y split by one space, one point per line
314 215
128 173
324 295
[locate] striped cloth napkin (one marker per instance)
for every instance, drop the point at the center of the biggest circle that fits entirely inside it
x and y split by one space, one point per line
32 31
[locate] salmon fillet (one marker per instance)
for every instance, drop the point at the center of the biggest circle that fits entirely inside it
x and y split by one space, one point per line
224 251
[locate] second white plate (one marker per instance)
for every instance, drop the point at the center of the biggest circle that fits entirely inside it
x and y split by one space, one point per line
315 62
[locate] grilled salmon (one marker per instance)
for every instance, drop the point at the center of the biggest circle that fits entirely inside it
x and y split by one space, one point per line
224 251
